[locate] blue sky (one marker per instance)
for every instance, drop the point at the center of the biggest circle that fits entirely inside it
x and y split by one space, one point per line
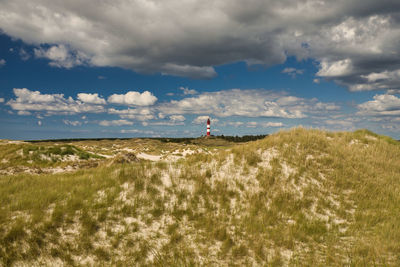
81 74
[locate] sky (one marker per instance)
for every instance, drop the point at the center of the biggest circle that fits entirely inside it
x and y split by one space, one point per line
152 68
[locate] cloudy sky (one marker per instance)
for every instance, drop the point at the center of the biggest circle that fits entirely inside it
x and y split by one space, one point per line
126 68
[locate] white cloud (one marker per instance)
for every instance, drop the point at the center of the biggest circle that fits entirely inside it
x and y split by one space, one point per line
60 56
317 81
163 123
246 103
1 100
2 62
336 68
293 72
288 100
382 105
203 120
141 114
91 98
72 123
27 100
340 123
177 118
256 103
39 123
137 131
391 127
115 123
235 123
378 81
133 98
253 124
24 55
273 124
187 91
24 113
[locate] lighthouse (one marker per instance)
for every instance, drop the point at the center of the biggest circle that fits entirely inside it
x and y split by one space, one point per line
208 127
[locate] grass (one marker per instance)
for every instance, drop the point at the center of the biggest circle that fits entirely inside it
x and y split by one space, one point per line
298 197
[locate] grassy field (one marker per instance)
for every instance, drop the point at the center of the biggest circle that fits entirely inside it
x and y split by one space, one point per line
298 197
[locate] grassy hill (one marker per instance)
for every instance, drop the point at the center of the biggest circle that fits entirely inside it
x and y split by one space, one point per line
298 197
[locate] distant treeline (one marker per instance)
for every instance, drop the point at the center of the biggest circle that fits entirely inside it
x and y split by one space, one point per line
236 139
75 140
186 140
244 138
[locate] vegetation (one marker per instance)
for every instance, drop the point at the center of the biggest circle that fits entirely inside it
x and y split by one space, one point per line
41 155
298 197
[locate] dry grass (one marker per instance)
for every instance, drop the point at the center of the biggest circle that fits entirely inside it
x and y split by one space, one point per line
298 197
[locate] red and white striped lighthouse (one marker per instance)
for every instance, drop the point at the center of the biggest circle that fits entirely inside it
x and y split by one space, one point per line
208 127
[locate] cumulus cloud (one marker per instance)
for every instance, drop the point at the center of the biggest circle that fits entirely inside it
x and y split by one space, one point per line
350 38
72 123
252 103
2 62
141 114
91 98
246 103
60 56
24 55
340 123
24 113
203 120
163 123
1 100
336 69
391 127
382 105
27 100
273 124
187 91
115 123
253 124
235 123
176 118
133 98
293 71
137 131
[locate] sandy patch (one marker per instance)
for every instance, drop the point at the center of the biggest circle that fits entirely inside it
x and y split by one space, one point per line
70 158
149 157
15 142
105 156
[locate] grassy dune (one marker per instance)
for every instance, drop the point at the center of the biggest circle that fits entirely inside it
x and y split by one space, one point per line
298 197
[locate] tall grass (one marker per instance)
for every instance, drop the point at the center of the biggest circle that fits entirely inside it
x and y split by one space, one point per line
322 199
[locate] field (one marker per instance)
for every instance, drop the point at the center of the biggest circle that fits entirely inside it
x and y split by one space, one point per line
297 197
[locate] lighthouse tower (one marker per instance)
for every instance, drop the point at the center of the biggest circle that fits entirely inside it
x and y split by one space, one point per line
208 127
